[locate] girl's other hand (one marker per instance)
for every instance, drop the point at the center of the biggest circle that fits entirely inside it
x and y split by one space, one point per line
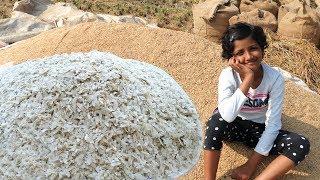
242 172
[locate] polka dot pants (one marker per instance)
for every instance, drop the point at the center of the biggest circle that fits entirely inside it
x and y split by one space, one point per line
292 145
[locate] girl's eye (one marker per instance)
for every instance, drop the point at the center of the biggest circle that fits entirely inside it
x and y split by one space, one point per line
239 53
254 48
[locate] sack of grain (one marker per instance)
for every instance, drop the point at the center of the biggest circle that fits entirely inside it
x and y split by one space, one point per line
211 18
3 44
283 2
267 5
294 5
318 11
32 7
20 28
236 2
299 21
96 116
23 6
312 3
317 8
257 17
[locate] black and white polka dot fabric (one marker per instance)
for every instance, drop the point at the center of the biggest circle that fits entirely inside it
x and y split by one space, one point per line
292 145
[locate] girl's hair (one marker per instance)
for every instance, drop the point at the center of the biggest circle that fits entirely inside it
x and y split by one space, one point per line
238 31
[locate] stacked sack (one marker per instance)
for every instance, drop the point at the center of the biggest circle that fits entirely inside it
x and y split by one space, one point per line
211 18
298 20
290 19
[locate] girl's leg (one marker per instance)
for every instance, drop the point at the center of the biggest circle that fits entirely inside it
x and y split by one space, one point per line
276 168
293 149
217 130
211 161
250 133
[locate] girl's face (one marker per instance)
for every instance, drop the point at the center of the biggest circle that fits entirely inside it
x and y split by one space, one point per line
248 52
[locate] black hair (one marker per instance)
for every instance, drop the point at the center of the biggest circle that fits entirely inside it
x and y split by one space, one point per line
238 31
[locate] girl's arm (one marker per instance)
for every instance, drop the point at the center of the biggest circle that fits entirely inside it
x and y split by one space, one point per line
273 125
230 97
273 117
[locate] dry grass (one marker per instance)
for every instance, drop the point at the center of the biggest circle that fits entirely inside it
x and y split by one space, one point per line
5 8
299 57
170 14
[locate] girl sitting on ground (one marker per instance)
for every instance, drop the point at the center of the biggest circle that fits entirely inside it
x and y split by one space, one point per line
250 98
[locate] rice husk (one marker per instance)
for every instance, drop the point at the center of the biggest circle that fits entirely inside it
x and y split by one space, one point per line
195 63
95 115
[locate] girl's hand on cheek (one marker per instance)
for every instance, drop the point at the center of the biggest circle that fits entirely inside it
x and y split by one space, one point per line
245 73
242 69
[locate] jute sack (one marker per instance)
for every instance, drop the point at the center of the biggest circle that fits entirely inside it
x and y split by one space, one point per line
24 6
257 17
267 5
32 7
211 18
300 22
236 2
3 44
285 1
285 8
318 11
310 3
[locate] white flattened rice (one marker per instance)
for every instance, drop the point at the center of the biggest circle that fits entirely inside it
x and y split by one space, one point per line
94 116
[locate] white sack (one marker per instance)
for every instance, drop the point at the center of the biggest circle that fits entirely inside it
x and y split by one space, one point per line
17 29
